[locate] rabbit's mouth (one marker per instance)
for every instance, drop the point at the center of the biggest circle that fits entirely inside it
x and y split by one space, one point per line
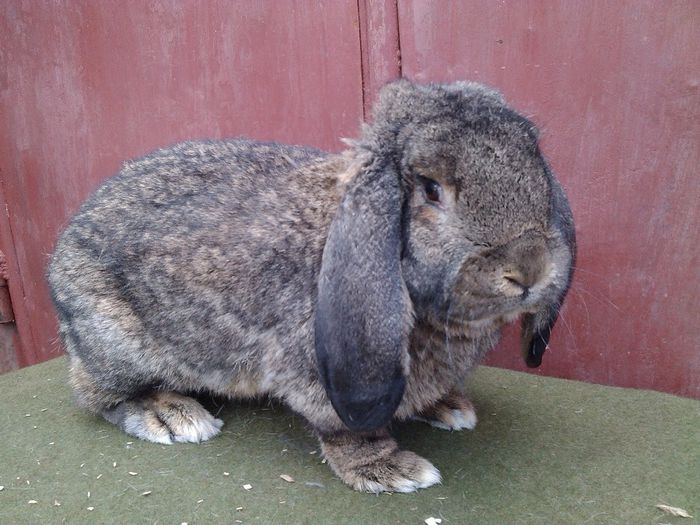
489 305
473 323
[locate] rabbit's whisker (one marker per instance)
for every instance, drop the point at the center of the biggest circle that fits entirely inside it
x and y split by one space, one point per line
585 305
601 299
568 327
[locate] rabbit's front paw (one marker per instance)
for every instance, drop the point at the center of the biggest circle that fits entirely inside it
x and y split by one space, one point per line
452 412
165 417
375 464
402 471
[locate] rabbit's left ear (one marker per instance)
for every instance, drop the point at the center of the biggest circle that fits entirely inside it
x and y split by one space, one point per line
363 311
535 333
537 327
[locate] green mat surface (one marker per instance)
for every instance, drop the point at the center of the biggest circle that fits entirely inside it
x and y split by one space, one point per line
545 451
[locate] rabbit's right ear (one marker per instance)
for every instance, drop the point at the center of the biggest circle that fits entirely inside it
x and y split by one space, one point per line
363 313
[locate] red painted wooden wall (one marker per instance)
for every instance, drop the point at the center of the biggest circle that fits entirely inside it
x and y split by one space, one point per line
615 87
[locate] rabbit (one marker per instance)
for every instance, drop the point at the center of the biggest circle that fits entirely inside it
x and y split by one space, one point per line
359 288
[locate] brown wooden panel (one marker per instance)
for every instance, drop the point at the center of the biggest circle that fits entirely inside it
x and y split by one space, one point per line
381 58
16 349
615 86
86 85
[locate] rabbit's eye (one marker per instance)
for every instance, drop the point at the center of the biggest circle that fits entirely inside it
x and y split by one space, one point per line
432 190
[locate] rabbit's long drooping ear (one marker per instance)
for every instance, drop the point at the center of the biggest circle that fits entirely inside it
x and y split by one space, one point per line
363 315
537 327
536 331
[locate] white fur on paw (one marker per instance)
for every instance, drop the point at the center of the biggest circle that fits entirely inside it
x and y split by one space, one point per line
367 485
427 477
186 420
196 430
148 427
453 419
457 419
168 417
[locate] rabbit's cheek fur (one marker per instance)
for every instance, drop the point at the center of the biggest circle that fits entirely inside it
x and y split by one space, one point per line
431 262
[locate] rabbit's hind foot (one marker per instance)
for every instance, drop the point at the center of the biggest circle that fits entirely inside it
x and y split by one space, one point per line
164 417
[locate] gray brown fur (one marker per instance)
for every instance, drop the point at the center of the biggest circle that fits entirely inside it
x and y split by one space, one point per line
327 281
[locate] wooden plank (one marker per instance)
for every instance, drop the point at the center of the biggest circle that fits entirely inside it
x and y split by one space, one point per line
18 345
379 40
615 88
87 85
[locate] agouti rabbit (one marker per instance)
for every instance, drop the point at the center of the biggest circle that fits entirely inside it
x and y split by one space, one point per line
358 287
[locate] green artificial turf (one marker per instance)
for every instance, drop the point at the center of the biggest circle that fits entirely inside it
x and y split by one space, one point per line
545 451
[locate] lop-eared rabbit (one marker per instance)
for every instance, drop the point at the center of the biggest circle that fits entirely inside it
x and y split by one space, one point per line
358 288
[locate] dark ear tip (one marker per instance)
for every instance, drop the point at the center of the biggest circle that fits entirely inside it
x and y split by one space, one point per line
535 351
533 361
369 409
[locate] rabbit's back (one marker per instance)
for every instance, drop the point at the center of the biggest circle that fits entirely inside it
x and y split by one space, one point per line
194 260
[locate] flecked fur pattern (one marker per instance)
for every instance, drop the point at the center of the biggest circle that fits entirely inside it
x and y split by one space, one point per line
358 287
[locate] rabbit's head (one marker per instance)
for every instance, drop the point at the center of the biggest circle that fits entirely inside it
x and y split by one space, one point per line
451 216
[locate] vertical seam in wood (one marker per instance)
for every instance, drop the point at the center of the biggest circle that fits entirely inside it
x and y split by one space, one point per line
364 55
379 47
398 38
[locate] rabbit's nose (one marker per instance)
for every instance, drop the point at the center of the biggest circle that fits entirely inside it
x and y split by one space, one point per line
518 283
528 263
526 276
